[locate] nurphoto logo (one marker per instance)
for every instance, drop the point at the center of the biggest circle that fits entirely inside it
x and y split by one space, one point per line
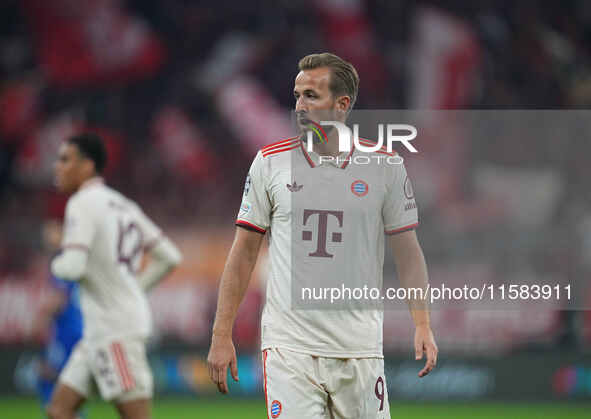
344 135
347 137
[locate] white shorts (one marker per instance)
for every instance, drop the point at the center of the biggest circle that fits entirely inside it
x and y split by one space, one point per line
304 386
119 368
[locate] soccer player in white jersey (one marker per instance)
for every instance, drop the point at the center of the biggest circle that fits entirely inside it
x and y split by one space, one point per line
327 221
104 239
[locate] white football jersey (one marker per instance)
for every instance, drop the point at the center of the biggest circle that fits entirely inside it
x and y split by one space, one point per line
115 233
326 222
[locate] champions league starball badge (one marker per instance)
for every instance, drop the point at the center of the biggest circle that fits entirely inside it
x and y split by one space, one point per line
247 185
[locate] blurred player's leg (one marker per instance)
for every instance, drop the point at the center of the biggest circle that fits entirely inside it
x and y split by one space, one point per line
65 402
73 386
52 363
135 409
293 387
46 379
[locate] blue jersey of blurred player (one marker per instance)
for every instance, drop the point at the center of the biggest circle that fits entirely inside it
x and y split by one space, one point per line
61 309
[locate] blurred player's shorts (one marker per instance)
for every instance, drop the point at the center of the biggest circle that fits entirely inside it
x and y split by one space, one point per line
119 368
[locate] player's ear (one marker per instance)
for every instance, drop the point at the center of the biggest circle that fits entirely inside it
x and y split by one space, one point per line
88 168
343 103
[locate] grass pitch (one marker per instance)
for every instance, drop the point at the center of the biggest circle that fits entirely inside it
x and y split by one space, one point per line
220 408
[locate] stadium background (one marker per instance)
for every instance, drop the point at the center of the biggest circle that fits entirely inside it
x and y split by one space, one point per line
185 93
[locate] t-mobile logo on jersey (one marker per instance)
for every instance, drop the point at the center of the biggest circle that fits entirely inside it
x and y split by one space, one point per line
336 237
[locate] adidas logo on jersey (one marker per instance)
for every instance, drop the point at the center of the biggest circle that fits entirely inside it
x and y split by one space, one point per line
410 205
295 187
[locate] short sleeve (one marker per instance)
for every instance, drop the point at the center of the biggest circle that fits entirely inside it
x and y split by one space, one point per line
255 209
400 209
79 226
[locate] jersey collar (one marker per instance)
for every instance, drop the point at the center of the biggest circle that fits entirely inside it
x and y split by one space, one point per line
313 158
96 180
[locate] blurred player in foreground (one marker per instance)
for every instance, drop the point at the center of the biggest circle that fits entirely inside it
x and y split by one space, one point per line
105 236
330 217
60 316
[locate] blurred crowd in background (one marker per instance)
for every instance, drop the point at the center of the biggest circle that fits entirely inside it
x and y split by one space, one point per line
185 92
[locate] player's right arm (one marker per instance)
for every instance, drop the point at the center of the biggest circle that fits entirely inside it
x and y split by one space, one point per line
233 285
253 221
79 231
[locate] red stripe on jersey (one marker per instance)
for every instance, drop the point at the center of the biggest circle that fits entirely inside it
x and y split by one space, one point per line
250 226
265 380
386 153
401 229
373 143
279 150
273 145
288 144
369 141
383 150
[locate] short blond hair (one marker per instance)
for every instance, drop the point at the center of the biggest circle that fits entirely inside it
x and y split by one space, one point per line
344 79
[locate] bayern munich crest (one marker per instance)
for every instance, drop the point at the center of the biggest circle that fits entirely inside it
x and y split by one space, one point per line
359 188
275 409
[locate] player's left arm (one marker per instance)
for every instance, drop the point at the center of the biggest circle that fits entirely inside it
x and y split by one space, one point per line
412 273
164 257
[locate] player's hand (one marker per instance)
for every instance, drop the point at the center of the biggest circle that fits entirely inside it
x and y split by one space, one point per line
425 342
221 355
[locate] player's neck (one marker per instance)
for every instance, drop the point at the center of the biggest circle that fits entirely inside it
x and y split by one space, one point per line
329 147
91 181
